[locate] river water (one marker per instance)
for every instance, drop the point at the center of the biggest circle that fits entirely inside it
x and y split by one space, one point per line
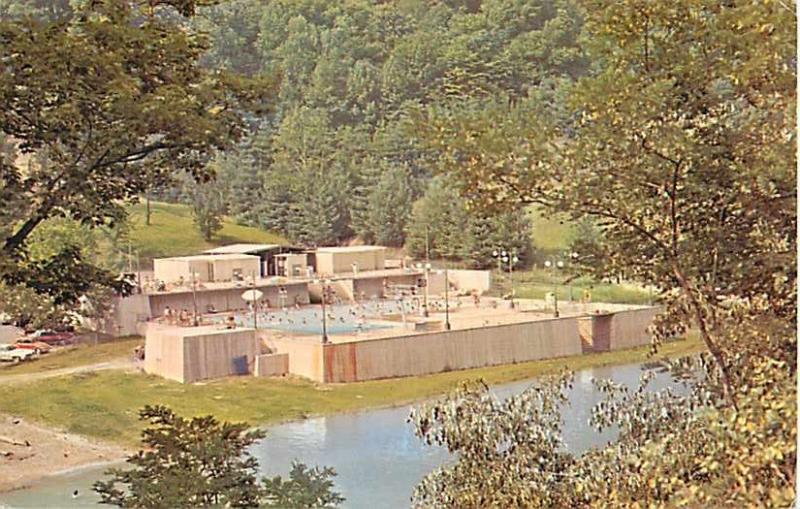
375 453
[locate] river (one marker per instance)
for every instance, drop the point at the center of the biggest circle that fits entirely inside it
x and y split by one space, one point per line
375 453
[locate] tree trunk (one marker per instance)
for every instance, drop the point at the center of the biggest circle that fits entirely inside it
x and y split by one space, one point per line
705 334
147 209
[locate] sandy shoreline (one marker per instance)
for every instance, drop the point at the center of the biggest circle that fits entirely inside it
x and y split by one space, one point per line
30 452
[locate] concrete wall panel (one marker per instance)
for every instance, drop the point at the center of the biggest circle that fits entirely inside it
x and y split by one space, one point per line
229 352
188 354
630 328
480 280
163 353
422 354
272 364
305 354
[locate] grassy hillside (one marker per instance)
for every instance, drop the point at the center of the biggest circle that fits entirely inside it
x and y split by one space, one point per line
172 232
550 232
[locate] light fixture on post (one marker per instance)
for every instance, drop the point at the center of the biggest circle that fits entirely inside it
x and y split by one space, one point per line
573 256
553 264
195 322
324 292
446 298
426 267
510 258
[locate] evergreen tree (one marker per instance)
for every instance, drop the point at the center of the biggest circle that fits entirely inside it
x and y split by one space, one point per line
207 201
322 219
455 233
509 231
389 208
439 223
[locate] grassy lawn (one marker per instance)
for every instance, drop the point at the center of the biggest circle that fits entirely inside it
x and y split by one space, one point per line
71 357
550 232
172 232
105 404
535 283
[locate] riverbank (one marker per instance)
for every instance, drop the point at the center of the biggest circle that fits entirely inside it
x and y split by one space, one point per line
30 452
101 408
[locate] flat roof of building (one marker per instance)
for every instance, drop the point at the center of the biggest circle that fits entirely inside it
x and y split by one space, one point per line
241 248
349 249
208 257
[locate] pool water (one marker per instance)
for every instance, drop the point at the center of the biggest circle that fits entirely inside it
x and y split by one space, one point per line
341 318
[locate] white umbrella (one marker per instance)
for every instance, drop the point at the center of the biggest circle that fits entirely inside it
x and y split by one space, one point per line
252 295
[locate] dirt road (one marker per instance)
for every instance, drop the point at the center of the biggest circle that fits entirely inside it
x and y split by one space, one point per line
123 363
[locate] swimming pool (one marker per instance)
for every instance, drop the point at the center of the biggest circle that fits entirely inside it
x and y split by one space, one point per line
341 318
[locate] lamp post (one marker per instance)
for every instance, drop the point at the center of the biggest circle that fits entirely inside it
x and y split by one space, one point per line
511 259
552 264
426 267
573 256
324 311
194 298
446 298
255 302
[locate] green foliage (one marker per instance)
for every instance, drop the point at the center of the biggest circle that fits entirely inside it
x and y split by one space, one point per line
680 148
439 223
683 157
99 106
673 450
442 223
306 488
353 74
45 10
201 462
196 462
389 208
208 206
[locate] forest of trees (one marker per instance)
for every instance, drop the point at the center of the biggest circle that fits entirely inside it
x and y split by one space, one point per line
339 156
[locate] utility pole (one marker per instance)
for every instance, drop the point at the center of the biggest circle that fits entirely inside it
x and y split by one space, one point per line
446 300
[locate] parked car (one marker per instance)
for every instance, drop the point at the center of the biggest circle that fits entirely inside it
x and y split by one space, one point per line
10 353
33 344
52 337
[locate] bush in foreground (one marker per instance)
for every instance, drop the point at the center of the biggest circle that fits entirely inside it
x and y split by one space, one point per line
201 462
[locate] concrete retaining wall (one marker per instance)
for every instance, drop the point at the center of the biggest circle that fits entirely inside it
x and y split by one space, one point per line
630 328
126 313
163 353
373 286
271 364
191 354
8 333
219 355
603 332
480 280
422 354
305 354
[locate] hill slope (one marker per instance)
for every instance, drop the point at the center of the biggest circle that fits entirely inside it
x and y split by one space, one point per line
172 232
